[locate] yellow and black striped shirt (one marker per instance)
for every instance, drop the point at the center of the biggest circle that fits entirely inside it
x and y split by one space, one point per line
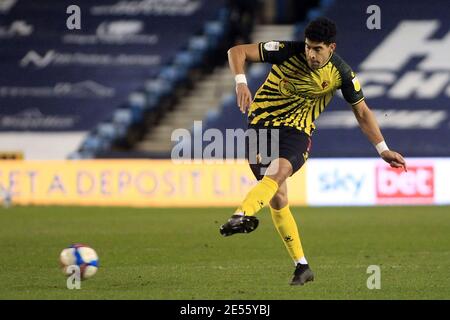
293 94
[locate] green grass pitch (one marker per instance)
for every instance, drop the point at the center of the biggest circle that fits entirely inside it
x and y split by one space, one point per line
179 253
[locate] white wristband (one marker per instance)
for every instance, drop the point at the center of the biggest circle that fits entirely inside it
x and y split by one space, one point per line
382 146
240 78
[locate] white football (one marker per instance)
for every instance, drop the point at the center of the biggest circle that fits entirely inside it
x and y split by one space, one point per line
80 255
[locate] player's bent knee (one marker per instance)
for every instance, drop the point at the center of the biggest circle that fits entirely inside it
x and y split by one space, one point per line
280 177
279 170
279 200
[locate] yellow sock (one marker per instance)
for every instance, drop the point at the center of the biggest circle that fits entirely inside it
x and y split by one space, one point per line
258 197
287 228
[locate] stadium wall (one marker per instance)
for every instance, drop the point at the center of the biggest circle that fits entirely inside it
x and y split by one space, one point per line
162 183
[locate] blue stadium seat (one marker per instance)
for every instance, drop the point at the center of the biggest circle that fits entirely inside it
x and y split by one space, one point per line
198 45
152 101
122 117
214 30
137 103
157 86
184 59
92 143
121 130
155 89
107 130
172 74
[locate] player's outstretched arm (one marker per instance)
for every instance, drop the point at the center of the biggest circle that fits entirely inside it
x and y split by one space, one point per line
369 126
237 56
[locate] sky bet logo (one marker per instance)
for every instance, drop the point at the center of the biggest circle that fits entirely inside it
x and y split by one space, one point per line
385 73
394 186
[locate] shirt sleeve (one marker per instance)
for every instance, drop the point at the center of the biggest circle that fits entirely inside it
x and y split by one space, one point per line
276 52
351 88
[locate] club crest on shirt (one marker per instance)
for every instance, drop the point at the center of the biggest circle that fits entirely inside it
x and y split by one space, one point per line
287 88
325 84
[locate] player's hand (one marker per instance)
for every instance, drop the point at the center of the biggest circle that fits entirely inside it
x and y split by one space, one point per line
394 159
244 97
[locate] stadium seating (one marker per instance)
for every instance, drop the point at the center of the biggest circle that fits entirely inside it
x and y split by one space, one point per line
111 78
115 78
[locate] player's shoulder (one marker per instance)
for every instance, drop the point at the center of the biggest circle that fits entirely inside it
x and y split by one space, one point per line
278 51
343 67
350 86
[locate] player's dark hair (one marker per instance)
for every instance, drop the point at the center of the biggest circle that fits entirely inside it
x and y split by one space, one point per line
321 29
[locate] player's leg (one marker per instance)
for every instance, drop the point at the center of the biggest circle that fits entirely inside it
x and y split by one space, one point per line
287 228
260 195
243 220
293 149
285 224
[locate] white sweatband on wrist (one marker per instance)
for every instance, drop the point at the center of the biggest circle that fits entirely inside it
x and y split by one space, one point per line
240 78
381 147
